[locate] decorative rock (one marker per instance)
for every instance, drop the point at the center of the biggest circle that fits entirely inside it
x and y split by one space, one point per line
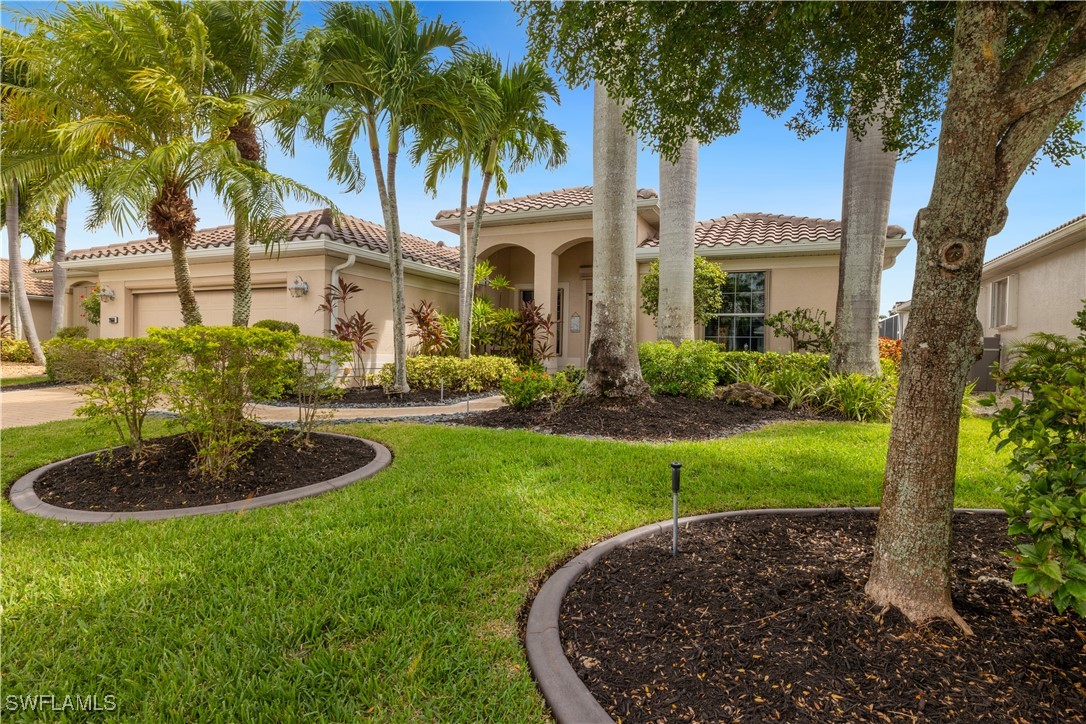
746 394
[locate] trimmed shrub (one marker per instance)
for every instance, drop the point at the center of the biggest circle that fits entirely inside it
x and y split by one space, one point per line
314 362
1046 431
522 390
67 361
474 374
277 326
125 377
71 333
15 350
219 372
689 370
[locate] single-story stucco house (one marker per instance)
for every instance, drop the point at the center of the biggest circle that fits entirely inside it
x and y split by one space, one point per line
39 290
541 243
1036 287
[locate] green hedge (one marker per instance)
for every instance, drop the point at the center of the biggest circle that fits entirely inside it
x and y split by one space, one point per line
689 370
15 350
474 374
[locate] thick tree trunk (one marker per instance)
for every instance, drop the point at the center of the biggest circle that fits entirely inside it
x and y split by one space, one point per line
911 565
173 218
243 134
613 368
17 299
678 194
243 279
467 283
60 274
865 211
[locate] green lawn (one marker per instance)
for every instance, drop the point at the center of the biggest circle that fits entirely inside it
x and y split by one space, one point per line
395 598
16 381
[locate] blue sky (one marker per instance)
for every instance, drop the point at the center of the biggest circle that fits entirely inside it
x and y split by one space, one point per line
762 168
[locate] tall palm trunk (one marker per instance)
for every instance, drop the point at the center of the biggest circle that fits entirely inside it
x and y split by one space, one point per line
865 211
17 299
467 283
613 368
472 253
243 134
173 218
678 194
386 190
60 274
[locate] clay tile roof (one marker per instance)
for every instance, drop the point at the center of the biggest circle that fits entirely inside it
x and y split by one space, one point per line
759 229
1064 225
36 286
307 224
557 199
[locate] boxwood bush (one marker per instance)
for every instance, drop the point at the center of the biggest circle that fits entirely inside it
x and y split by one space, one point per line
475 374
688 370
15 350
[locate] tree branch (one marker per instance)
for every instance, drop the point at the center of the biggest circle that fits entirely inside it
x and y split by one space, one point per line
1064 79
1027 57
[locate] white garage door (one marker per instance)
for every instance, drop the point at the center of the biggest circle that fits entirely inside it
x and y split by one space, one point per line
163 309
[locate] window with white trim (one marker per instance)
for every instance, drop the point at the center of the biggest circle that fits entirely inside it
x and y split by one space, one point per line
1001 302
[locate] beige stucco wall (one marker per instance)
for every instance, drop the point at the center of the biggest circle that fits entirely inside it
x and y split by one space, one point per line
40 309
1046 294
213 280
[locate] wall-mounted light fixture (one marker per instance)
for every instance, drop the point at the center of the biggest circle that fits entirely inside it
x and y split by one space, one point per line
299 288
106 294
575 323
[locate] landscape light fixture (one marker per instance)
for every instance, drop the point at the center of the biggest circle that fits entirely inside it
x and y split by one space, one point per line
299 288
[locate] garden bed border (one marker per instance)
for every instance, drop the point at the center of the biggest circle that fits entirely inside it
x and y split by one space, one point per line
566 695
24 498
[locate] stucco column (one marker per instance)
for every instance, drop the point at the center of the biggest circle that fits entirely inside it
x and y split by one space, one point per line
545 288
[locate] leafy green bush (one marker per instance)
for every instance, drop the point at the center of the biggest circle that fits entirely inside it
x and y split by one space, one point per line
219 372
277 326
1047 433
15 350
475 374
125 378
689 370
71 333
315 361
67 361
523 389
709 280
858 397
809 331
740 366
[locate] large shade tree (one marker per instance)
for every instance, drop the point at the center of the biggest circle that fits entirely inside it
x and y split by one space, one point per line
1002 81
377 69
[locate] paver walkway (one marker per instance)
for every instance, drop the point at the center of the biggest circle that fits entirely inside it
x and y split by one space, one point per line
31 407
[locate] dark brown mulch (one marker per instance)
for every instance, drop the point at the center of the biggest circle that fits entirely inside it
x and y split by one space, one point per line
163 478
764 619
658 418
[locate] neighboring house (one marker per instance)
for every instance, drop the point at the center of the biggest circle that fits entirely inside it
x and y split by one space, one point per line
138 289
1036 287
542 243
894 325
38 290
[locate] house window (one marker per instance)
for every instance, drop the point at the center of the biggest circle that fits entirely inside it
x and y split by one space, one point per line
1002 303
740 324
527 296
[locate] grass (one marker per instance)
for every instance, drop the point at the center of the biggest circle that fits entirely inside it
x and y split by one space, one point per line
395 598
16 381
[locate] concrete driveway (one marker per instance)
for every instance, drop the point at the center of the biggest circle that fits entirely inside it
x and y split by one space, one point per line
19 408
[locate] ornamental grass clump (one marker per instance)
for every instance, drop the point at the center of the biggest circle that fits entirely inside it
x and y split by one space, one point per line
1046 430
220 371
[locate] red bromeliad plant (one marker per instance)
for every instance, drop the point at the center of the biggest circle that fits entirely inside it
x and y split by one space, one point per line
355 328
432 336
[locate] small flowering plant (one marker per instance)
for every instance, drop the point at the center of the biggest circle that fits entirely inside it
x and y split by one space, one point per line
92 304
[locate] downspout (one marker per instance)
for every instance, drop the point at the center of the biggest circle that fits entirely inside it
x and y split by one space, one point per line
335 284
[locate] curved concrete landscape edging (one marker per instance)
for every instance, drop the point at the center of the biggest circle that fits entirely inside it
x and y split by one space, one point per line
565 693
25 499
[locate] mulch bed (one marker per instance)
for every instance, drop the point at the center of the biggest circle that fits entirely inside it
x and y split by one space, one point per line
376 397
764 619
163 478
656 418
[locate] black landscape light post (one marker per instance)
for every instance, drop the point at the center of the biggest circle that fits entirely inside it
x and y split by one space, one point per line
675 468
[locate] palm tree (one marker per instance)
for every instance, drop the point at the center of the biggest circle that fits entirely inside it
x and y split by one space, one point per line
377 70
19 303
519 136
613 369
257 65
865 211
678 194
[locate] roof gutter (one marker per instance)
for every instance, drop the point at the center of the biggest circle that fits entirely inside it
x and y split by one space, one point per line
335 284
